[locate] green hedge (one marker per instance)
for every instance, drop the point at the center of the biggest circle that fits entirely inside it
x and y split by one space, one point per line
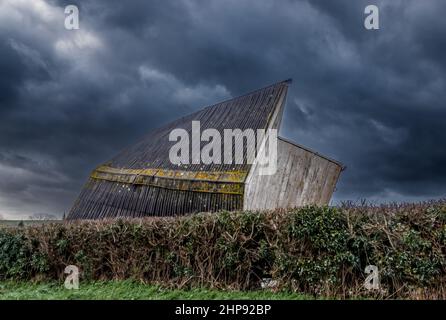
316 250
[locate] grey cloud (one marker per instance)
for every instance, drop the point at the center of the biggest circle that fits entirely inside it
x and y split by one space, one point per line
72 99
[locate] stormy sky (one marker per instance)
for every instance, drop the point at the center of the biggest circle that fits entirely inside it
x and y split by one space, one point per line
71 99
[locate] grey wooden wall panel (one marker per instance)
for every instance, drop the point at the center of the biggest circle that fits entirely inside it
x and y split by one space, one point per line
303 177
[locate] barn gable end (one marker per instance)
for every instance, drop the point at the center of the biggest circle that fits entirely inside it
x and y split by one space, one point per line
303 177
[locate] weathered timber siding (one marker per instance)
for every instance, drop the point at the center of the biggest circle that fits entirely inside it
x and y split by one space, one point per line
303 177
106 199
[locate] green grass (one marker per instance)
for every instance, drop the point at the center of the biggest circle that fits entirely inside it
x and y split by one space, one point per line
127 290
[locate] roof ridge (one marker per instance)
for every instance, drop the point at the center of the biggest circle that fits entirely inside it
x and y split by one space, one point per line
287 81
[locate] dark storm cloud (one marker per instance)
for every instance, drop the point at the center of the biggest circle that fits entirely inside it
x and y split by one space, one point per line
69 100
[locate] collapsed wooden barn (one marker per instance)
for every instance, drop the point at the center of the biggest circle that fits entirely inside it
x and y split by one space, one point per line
142 180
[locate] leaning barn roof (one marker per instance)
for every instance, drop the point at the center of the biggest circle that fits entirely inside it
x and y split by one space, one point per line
141 180
253 110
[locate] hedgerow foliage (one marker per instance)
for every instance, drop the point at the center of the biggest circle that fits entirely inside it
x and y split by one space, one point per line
317 250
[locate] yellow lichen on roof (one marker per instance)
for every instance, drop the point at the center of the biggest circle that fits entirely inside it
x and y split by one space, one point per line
212 182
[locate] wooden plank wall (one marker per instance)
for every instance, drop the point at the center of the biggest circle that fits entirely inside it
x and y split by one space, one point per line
302 178
105 199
